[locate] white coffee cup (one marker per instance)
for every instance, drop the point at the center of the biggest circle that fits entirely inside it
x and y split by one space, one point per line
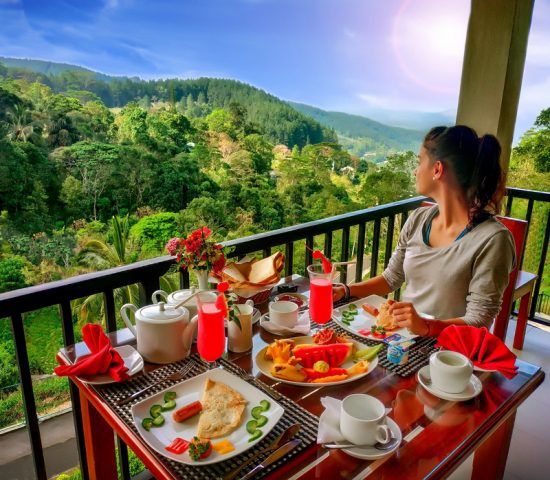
363 420
240 339
450 371
283 314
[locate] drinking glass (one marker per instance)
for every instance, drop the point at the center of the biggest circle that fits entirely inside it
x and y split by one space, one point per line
320 293
211 331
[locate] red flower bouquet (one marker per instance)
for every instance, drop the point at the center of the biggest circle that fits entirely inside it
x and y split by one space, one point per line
197 251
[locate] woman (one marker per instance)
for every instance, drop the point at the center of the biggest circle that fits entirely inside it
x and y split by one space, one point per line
454 257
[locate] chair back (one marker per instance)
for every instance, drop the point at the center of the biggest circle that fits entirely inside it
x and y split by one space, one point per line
518 229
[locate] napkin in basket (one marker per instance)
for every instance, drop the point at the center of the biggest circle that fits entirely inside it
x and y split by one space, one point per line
254 274
103 358
484 349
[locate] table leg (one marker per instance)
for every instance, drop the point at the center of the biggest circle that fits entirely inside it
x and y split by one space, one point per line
100 443
521 325
490 458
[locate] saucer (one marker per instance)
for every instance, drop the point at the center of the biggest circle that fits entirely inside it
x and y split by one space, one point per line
473 389
301 328
371 453
133 361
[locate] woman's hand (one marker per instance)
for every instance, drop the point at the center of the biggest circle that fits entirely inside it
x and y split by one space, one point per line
338 292
406 317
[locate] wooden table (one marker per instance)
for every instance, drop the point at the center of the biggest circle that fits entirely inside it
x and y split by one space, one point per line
439 435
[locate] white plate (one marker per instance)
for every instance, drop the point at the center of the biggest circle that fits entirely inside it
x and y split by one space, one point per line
189 391
371 453
265 366
364 320
132 360
472 390
303 298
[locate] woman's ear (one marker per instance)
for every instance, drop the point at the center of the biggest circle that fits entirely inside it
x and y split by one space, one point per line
438 170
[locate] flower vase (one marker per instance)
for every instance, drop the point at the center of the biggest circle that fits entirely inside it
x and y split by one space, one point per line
202 278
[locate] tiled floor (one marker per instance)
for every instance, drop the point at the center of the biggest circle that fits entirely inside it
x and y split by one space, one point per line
529 457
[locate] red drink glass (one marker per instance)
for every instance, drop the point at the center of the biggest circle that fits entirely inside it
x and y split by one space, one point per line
211 331
320 293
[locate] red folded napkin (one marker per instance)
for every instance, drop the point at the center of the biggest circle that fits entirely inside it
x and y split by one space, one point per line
480 346
103 358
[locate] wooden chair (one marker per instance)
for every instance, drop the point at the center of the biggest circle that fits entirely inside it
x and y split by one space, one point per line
520 285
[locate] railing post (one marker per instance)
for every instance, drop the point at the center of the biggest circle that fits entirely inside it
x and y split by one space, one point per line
542 262
29 404
68 339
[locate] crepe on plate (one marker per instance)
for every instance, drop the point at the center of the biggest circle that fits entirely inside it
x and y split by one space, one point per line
385 318
222 410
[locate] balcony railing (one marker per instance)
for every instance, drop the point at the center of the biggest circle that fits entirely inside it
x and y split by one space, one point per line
371 230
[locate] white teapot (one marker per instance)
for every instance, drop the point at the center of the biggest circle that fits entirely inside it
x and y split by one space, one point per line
164 334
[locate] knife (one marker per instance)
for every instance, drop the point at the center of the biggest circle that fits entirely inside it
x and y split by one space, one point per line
276 455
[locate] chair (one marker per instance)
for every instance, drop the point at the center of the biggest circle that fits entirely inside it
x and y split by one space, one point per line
520 285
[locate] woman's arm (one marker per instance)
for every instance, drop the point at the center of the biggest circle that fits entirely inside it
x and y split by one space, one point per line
374 286
407 317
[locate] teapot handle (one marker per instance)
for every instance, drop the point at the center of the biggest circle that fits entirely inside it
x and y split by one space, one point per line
125 317
159 293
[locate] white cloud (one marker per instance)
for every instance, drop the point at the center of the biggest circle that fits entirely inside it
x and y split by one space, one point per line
393 101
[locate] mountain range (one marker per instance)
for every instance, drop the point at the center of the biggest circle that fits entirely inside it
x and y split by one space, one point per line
358 134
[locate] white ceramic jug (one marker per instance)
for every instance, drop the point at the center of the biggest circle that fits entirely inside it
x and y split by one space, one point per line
164 334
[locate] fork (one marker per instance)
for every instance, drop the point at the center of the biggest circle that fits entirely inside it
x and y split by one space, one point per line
179 375
270 391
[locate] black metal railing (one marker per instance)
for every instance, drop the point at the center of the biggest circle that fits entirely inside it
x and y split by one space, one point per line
372 229
531 201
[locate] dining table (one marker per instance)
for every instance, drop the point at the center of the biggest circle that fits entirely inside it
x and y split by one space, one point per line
438 435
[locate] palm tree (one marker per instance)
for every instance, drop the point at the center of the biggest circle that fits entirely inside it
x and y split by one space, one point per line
97 255
20 126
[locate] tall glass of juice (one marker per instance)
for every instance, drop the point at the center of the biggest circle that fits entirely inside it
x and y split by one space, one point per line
211 329
320 293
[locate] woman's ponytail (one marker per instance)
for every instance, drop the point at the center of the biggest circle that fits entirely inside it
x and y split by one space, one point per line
486 185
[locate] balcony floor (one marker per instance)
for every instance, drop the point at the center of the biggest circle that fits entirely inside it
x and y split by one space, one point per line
528 457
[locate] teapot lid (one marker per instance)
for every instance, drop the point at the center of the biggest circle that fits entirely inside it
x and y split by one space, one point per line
161 311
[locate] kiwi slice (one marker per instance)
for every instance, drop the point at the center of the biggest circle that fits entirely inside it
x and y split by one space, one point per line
251 426
169 405
265 405
155 410
168 396
147 423
257 412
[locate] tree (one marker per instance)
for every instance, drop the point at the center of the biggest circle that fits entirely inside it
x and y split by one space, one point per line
536 142
92 164
132 125
99 254
11 273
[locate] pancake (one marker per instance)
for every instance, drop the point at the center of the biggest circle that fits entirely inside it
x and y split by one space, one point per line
222 410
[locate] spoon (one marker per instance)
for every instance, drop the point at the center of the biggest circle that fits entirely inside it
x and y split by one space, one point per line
279 441
379 446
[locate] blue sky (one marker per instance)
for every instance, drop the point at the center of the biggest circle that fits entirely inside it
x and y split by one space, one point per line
367 57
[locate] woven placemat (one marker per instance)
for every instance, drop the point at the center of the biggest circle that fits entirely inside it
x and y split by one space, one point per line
293 413
419 353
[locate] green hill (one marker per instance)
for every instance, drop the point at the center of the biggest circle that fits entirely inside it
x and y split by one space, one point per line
361 134
50 68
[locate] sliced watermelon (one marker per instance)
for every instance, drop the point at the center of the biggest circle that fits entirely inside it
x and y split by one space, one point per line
221 303
335 354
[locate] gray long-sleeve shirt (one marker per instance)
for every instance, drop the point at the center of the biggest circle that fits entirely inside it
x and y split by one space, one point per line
465 279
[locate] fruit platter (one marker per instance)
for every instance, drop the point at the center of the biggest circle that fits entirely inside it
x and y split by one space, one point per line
323 359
